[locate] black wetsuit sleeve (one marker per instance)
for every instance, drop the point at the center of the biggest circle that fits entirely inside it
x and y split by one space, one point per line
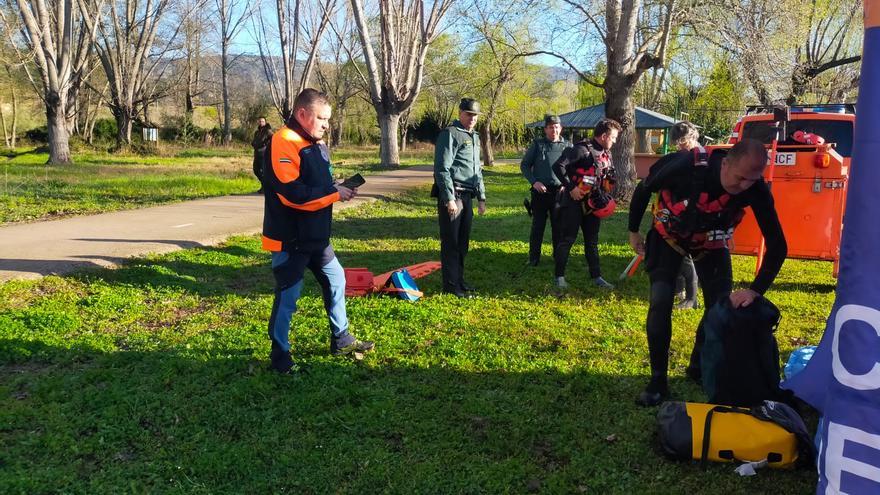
762 205
671 165
570 156
637 205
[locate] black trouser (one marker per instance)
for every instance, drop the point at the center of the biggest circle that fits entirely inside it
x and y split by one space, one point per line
542 207
455 234
571 218
259 154
687 275
662 263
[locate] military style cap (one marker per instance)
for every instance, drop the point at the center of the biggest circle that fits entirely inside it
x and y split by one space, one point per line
469 105
550 119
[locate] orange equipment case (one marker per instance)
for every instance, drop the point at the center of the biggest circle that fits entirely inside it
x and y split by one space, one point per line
809 184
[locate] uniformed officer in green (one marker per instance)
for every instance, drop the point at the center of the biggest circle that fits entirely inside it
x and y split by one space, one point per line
458 180
537 166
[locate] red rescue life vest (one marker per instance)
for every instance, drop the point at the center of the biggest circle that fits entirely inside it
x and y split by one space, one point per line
708 226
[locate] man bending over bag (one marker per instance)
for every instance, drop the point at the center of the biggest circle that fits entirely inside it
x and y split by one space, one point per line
700 200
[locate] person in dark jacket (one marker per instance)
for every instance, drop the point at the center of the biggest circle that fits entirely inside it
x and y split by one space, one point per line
581 169
537 168
700 200
299 198
458 179
262 137
684 135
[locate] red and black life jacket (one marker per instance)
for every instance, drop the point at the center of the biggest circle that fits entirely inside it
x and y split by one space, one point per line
595 178
597 171
696 224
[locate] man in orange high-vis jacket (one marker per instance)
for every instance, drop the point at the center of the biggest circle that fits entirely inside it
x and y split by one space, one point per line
300 192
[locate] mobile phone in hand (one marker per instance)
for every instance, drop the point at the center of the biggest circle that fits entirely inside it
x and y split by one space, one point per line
354 181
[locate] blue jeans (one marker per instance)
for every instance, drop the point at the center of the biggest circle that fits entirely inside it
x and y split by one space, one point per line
288 269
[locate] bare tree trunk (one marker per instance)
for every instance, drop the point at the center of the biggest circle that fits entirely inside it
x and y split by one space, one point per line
404 128
3 122
82 115
336 132
389 150
124 118
130 57
73 120
189 106
619 106
293 24
88 124
486 134
232 16
92 115
192 44
58 36
59 139
14 116
227 110
486 144
395 77
90 132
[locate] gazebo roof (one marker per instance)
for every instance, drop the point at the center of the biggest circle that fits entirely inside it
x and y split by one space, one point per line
587 118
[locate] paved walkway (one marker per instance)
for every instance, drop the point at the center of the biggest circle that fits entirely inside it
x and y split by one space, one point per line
32 250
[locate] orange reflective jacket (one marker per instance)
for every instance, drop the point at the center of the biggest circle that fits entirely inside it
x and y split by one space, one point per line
299 191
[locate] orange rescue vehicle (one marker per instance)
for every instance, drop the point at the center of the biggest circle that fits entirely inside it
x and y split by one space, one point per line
809 182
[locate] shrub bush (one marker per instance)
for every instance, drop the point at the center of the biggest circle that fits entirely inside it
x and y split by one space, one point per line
182 130
105 130
38 134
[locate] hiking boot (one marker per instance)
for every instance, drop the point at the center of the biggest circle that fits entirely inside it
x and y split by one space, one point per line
532 262
602 283
656 392
561 283
459 293
281 362
651 399
354 348
467 287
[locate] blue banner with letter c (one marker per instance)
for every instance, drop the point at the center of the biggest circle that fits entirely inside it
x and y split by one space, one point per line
842 380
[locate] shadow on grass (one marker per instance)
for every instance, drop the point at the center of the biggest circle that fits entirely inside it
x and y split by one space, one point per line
804 287
211 420
491 227
181 243
50 267
233 269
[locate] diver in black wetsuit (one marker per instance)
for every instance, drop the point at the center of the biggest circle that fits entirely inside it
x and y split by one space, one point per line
700 200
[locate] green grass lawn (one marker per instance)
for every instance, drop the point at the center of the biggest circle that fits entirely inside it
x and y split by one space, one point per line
151 378
99 182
